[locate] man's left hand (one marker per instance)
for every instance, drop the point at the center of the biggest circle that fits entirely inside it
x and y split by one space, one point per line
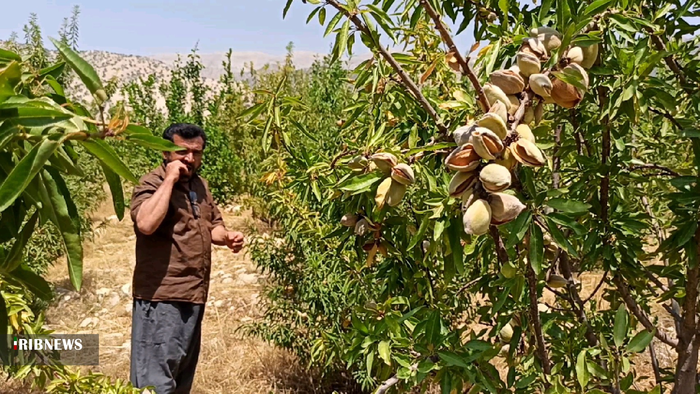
234 241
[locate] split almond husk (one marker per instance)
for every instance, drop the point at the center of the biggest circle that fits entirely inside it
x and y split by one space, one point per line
528 63
527 153
541 85
494 93
495 178
462 182
509 81
463 159
486 143
525 132
461 134
533 46
403 174
500 109
494 123
514 104
384 161
550 37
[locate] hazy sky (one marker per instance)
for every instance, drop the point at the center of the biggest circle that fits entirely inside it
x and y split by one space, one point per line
148 27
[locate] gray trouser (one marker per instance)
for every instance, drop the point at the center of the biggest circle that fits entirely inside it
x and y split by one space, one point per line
165 342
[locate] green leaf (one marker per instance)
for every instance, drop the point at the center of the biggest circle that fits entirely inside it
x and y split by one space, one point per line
136 129
343 38
582 374
559 237
596 7
418 237
286 8
331 25
14 257
26 170
453 359
152 142
536 252
453 235
640 341
54 71
322 16
65 217
568 206
9 55
432 328
520 226
361 183
84 70
35 283
620 328
29 115
101 150
385 352
252 112
115 188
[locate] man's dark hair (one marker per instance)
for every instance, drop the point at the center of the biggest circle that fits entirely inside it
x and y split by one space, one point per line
186 131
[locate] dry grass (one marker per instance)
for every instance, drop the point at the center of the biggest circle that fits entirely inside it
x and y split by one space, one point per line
229 362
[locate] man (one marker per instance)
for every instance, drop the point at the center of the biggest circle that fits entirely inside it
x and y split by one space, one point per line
175 221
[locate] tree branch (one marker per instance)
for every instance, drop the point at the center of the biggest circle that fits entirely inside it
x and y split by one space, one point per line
464 64
670 61
405 78
537 324
639 314
387 385
500 247
664 170
667 116
602 280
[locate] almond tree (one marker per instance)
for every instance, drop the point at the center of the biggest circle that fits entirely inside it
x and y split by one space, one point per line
469 186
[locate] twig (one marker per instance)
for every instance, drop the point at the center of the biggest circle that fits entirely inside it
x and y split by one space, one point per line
639 314
665 170
468 285
602 280
667 116
580 139
670 61
340 156
537 324
405 78
500 247
464 64
387 385
556 160
655 365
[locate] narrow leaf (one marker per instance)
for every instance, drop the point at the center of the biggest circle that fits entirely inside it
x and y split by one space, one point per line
115 188
640 342
14 257
84 70
620 328
25 171
536 252
108 156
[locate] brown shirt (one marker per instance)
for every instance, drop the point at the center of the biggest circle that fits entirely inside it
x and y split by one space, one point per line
174 263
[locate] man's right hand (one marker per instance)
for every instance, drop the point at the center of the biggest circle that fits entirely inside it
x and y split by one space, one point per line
175 169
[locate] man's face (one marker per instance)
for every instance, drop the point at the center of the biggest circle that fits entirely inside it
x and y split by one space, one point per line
191 156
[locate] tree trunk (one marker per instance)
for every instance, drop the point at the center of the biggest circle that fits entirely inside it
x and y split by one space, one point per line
687 367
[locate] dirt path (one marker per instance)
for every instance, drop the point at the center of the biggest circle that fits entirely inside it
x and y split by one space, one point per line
229 363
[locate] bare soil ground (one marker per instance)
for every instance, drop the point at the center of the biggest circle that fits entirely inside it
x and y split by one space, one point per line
229 363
